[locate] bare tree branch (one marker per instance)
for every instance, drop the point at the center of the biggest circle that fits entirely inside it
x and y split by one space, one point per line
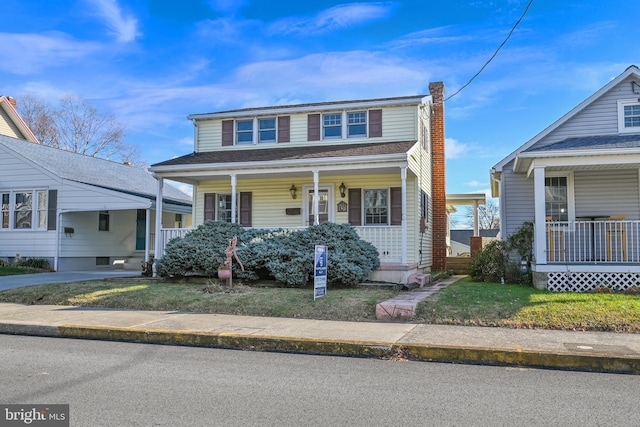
76 125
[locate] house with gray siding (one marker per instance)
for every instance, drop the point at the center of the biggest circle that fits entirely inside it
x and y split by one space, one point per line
578 182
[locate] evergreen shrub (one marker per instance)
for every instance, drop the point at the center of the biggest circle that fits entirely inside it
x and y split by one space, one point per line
283 255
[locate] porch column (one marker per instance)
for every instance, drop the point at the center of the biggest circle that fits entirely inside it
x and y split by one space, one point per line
403 176
233 198
476 231
147 234
316 204
540 230
159 245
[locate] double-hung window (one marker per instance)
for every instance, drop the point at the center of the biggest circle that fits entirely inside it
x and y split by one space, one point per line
23 210
332 126
5 209
103 221
628 115
357 124
376 207
244 132
267 130
223 211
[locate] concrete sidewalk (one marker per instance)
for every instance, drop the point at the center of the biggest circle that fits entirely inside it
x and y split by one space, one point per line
590 351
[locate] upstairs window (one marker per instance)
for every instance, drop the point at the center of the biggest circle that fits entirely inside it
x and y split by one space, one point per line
332 126
628 116
244 132
266 130
357 124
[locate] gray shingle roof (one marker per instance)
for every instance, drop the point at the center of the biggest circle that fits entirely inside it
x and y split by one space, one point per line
595 142
464 236
93 171
279 153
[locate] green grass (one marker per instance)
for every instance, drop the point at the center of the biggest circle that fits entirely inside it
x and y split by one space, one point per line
490 304
11 271
339 304
462 303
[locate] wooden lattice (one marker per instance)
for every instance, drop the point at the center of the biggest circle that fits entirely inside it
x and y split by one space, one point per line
585 282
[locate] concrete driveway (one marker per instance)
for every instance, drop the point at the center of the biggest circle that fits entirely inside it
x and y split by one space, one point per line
20 280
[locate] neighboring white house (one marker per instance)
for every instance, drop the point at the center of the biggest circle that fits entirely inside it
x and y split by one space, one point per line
578 181
76 211
377 164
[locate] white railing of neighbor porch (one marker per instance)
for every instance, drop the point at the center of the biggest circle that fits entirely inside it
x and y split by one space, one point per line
598 241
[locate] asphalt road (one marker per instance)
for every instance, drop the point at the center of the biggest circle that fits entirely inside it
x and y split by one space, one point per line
125 384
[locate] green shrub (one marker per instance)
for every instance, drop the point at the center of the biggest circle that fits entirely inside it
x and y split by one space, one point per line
38 263
490 264
283 255
4 263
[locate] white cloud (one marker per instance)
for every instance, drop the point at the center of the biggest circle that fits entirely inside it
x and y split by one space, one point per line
124 26
30 53
333 19
454 148
475 183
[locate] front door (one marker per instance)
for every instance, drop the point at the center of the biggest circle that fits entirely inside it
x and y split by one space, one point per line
323 205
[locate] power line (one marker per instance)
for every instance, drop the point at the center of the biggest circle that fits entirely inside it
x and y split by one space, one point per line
494 54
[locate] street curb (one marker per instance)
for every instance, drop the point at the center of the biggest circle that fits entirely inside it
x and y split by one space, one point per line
365 349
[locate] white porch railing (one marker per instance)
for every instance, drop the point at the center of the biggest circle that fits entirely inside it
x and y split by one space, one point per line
598 241
388 240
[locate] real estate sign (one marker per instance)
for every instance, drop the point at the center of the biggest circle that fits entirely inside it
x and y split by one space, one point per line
320 272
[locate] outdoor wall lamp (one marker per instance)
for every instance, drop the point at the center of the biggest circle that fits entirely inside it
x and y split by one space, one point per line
293 191
343 189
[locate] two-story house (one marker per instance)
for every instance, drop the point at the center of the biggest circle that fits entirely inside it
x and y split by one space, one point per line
377 164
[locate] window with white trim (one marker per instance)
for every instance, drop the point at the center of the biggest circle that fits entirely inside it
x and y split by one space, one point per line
556 198
376 207
628 115
223 208
267 130
332 126
357 124
23 210
244 132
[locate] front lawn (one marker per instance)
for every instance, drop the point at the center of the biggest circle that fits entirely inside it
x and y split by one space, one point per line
516 306
462 303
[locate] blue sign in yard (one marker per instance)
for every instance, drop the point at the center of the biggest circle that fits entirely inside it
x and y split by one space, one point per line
320 272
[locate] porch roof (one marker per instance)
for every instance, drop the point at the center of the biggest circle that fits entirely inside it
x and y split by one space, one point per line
587 152
274 153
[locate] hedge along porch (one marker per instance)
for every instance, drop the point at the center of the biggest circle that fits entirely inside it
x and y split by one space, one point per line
366 163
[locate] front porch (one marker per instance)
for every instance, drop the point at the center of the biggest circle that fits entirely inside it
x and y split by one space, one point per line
583 255
387 239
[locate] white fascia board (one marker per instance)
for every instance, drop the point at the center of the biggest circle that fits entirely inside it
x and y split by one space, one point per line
584 159
632 70
345 105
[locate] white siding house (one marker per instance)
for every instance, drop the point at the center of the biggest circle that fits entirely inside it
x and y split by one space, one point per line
578 181
76 211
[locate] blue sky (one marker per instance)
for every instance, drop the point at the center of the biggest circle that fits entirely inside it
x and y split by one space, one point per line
151 63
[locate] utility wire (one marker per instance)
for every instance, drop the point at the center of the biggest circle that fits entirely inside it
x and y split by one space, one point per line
494 54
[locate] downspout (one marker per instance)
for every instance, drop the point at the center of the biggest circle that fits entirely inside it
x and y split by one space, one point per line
57 253
196 135
159 243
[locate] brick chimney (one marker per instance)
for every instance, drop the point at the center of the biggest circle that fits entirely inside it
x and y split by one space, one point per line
438 179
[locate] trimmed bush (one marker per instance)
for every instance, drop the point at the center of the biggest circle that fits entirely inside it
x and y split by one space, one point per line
286 256
490 264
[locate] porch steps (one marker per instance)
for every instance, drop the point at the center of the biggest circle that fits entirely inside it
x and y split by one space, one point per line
420 279
403 307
